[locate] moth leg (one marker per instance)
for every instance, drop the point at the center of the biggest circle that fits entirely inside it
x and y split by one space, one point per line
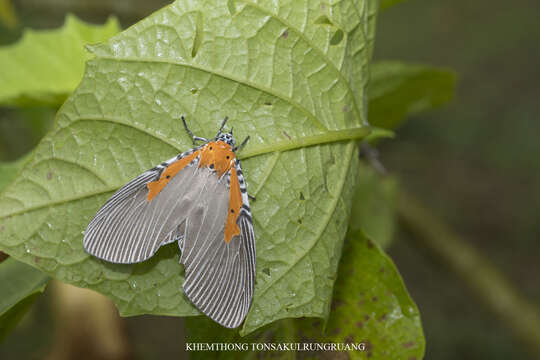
190 133
242 145
252 197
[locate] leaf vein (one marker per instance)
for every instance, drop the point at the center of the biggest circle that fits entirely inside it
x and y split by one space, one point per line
245 82
323 55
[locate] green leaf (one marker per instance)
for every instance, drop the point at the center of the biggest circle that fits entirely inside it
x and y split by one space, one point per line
45 66
20 286
374 205
385 4
397 90
275 73
371 305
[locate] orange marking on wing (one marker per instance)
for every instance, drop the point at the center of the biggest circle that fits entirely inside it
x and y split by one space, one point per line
154 187
219 154
235 203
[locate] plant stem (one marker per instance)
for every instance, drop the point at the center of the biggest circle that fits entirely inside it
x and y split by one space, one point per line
478 273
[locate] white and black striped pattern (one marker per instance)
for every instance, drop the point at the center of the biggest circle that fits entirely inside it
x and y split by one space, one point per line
112 234
191 209
244 219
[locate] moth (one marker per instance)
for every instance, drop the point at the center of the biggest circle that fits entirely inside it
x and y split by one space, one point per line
198 199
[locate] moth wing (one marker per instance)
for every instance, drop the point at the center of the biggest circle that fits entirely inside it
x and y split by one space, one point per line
219 276
128 228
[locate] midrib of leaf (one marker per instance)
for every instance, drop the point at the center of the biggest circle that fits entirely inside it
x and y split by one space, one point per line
306 141
315 48
279 146
324 223
58 202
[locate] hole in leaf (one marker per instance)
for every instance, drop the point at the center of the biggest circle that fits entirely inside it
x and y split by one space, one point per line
337 37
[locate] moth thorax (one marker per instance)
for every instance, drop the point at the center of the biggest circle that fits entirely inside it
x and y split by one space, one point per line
227 138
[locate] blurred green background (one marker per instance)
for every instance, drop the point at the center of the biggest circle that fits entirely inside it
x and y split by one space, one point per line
474 162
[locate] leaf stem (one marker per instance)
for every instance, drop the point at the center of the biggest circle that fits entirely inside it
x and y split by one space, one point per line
305 141
477 272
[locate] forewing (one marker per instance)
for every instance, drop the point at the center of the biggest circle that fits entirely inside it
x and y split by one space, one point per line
130 229
219 275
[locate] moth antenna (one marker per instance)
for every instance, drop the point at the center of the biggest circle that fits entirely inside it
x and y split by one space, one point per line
190 133
242 145
222 125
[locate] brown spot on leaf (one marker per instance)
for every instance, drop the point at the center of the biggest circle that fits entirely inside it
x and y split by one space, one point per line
383 317
285 34
359 324
50 175
336 331
346 108
286 135
374 299
349 339
408 344
366 317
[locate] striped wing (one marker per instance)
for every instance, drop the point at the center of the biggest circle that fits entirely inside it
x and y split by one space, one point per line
191 209
130 229
220 276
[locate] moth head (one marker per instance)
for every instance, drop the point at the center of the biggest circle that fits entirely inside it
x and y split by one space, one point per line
227 138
